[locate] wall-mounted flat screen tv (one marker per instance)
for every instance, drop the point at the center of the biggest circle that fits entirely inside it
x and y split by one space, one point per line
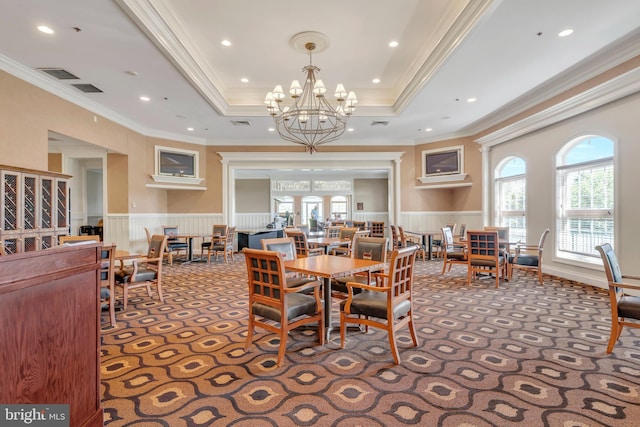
442 163
177 164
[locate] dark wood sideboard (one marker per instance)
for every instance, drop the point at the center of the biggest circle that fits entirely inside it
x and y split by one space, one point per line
50 330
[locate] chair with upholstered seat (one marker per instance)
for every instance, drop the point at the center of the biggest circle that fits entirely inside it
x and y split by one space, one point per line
302 245
386 305
484 255
451 253
219 231
528 257
223 245
332 231
78 239
273 305
287 248
371 248
625 308
145 271
407 241
360 225
174 244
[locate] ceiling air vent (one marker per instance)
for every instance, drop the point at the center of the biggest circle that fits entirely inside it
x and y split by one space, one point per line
241 122
379 123
86 87
59 73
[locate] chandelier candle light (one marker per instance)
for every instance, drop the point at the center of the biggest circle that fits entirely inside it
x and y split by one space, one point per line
311 120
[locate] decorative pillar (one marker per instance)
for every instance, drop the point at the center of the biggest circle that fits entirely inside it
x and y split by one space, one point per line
486 186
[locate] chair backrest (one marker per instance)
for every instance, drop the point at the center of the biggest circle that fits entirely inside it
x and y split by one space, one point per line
107 255
401 273
156 248
347 232
463 232
2 250
231 233
395 237
543 237
300 242
266 277
377 228
402 238
219 230
332 231
373 248
452 226
610 262
483 246
71 239
284 245
170 231
148 233
361 225
447 238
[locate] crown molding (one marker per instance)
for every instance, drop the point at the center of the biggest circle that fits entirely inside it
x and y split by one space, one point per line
449 42
157 20
607 58
50 85
612 90
270 157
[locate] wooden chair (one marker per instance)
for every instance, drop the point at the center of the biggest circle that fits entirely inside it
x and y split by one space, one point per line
332 231
462 235
148 234
273 305
360 225
76 239
2 249
407 241
346 250
286 247
224 245
625 309
377 228
503 238
219 230
373 248
107 281
174 244
484 255
528 257
438 243
395 238
388 305
145 270
451 253
302 246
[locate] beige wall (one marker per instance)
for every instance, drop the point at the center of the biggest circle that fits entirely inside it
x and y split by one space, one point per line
253 196
373 193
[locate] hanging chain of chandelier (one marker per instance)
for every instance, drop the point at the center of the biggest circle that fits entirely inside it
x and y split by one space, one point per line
311 120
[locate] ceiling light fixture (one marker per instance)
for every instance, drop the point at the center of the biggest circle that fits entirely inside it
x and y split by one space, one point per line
225 43
565 33
311 121
45 29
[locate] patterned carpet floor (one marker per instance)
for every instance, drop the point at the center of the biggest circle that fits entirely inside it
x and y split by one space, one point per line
521 354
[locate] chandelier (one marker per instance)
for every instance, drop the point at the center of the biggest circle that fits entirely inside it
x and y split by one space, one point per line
311 120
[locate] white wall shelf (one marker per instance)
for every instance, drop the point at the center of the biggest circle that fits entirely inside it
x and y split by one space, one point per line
175 187
442 178
450 185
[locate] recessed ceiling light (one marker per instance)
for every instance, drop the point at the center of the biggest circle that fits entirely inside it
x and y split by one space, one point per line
271 130
428 130
471 100
244 80
225 42
145 98
350 129
45 29
565 33
190 129
393 44
376 81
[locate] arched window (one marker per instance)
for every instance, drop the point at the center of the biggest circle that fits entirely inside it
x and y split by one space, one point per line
510 203
585 197
339 207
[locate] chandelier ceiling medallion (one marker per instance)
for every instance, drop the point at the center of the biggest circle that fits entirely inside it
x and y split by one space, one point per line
311 120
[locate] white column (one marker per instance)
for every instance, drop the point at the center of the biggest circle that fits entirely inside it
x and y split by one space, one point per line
395 195
486 186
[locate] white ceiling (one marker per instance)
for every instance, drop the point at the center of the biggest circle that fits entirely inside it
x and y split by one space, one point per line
505 53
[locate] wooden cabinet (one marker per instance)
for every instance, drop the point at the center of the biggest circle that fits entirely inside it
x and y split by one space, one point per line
50 330
35 208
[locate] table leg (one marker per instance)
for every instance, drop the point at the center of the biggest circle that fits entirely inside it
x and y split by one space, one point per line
326 290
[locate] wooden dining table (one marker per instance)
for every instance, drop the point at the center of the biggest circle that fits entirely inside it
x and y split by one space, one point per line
330 267
427 239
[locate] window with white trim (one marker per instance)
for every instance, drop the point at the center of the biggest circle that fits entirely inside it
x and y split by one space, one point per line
510 192
339 207
585 197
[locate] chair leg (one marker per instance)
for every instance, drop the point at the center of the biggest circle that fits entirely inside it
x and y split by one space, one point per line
159 290
343 321
540 276
249 333
125 295
392 343
412 330
112 308
616 328
283 346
